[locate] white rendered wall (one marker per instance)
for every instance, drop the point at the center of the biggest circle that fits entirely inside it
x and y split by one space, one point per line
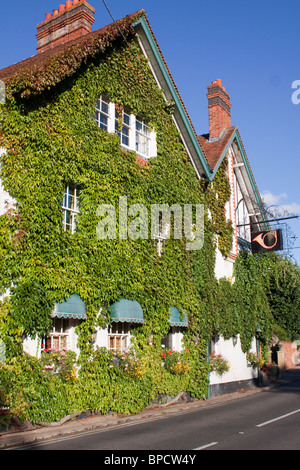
4 195
223 266
33 346
239 369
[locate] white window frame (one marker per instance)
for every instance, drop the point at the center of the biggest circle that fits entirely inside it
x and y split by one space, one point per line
142 138
70 209
112 125
59 331
174 339
119 332
126 128
102 115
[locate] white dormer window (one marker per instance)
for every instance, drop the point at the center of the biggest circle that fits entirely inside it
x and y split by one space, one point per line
134 133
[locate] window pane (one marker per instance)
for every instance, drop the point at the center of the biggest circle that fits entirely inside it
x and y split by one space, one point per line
142 144
70 207
55 342
118 336
125 136
102 113
124 126
142 138
65 199
118 342
126 119
63 341
104 107
68 217
103 122
139 126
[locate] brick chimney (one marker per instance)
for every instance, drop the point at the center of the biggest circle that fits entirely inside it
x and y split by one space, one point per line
69 21
219 116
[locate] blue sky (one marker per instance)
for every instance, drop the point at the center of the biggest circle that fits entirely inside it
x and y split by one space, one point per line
253 46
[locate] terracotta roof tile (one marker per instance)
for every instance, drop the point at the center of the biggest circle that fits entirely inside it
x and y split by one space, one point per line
214 150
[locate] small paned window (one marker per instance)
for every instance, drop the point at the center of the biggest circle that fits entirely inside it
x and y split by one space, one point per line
70 207
102 113
58 338
118 336
142 138
122 128
134 132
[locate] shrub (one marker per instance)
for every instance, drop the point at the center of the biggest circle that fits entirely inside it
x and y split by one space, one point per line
174 362
129 362
50 388
31 394
61 362
218 364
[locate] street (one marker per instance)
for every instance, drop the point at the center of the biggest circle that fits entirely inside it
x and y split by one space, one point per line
269 420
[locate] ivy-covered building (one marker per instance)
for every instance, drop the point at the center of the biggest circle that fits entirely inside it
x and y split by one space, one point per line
94 125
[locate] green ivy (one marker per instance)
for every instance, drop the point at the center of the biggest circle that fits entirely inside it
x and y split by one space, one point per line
250 290
52 140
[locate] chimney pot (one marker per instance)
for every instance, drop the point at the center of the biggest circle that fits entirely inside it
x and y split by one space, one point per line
68 22
219 105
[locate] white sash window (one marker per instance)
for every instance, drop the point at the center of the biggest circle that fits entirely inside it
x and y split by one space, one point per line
134 133
70 207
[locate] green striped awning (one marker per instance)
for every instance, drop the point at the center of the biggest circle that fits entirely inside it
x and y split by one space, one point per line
178 319
128 311
72 308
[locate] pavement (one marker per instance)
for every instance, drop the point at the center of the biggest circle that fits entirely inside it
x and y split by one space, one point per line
32 434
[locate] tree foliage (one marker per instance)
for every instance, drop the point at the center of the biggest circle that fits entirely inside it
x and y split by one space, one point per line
284 295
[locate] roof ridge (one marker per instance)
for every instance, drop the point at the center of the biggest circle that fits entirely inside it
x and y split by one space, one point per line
30 66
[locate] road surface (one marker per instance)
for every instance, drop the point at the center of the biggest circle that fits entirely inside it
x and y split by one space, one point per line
262 421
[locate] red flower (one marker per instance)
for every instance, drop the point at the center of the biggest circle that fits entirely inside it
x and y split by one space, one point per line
164 355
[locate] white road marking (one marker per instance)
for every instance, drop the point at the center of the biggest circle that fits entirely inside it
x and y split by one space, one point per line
277 419
206 446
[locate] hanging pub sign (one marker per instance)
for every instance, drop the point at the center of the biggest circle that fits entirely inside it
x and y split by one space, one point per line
270 240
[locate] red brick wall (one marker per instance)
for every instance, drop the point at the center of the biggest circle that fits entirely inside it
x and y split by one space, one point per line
70 21
289 354
219 115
